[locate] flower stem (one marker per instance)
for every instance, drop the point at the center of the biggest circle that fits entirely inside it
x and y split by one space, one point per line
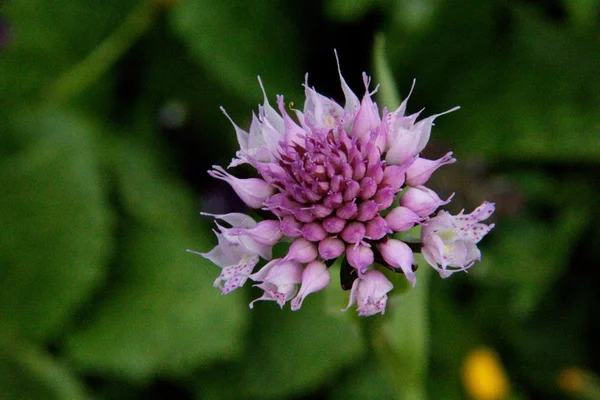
88 70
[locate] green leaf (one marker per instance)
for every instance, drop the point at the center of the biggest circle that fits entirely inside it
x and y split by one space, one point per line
505 80
165 318
294 352
527 114
582 14
146 190
388 91
348 10
402 344
236 41
56 224
414 17
26 372
372 382
162 315
530 267
49 37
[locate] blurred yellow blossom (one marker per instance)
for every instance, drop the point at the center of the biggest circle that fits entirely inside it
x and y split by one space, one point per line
483 375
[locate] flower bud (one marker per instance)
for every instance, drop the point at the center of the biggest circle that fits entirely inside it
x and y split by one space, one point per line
368 187
301 251
313 232
251 191
384 197
291 227
351 191
423 201
420 171
360 257
397 254
394 176
401 219
367 211
367 117
347 211
377 228
354 232
266 232
320 211
375 171
315 277
333 200
334 224
330 248
304 214
359 168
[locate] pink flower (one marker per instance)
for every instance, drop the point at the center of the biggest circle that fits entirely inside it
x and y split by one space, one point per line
370 293
280 281
236 263
449 241
236 258
327 176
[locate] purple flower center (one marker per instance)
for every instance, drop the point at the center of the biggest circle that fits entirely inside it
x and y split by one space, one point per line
330 183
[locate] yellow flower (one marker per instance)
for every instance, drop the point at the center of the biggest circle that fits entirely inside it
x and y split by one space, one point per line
483 375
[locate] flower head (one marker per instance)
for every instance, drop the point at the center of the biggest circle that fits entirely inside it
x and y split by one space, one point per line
327 178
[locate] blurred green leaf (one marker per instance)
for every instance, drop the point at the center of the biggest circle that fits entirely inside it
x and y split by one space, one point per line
403 344
55 221
371 383
146 191
583 13
534 115
26 372
349 10
295 352
388 91
452 333
532 266
47 38
162 314
414 16
236 41
527 85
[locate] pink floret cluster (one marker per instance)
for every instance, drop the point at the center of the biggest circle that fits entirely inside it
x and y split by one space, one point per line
338 182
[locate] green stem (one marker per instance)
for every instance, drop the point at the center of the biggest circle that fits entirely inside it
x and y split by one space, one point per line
88 70
400 339
388 93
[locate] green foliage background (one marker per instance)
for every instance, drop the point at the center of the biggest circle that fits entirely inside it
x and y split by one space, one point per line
109 118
